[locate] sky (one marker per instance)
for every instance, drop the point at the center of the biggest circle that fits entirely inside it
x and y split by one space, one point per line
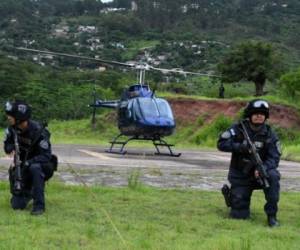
106 1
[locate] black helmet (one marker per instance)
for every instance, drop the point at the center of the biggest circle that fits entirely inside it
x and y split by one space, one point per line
19 110
257 106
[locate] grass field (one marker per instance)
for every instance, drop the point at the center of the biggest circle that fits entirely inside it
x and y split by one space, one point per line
144 218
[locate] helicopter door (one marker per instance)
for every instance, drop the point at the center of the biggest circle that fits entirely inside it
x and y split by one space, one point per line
124 113
164 108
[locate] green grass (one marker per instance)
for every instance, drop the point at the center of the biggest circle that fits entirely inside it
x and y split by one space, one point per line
145 218
291 152
81 131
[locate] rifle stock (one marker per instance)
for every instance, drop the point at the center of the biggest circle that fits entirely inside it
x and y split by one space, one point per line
17 164
263 175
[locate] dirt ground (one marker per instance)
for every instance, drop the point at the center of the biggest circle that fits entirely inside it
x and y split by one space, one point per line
188 110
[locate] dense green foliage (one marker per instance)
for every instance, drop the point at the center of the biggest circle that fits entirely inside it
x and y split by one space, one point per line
57 94
290 84
144 218
211 26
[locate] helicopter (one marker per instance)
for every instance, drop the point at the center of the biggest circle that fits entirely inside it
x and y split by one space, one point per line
141 115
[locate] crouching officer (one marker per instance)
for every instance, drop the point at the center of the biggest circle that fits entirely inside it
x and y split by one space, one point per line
28 141
255 157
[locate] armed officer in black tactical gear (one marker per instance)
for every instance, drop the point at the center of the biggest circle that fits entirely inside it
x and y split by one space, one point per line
244 175
37 161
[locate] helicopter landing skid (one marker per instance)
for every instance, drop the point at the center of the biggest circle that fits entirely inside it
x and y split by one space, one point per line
157 142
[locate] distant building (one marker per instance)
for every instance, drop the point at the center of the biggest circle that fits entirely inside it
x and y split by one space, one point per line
156 5
184 9
134 6
101 69
108 10
118 45
87 29
61 31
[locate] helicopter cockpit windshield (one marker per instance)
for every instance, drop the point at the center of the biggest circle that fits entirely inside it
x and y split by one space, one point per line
153 107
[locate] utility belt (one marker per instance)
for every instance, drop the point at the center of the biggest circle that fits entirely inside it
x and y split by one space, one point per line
244 165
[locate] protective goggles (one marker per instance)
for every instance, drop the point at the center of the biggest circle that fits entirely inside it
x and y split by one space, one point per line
260 104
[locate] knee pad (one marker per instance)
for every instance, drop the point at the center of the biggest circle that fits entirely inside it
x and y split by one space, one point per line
18 202
240 200
240 213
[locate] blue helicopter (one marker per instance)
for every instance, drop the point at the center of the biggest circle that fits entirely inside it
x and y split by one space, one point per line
141 115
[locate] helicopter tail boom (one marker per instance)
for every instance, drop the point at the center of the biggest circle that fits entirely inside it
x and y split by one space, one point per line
105 104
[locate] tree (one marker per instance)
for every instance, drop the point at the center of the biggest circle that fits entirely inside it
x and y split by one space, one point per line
252 61
290 83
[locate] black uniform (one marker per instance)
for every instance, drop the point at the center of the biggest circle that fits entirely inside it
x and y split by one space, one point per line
37 166
241 173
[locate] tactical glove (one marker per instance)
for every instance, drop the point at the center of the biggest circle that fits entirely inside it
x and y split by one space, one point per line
244 148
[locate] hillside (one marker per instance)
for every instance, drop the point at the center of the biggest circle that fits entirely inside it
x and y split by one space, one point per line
190 34
187 111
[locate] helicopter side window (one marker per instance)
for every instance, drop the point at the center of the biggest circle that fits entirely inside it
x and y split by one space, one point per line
164 108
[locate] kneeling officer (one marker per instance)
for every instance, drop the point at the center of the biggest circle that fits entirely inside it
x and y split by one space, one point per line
28 142
255 157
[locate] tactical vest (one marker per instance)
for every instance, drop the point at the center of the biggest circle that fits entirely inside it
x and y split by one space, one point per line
28 140
260 138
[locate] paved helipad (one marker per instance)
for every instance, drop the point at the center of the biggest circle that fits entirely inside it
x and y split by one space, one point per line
197 169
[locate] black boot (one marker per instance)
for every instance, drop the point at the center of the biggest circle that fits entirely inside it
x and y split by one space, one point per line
37 211
272 221
227 194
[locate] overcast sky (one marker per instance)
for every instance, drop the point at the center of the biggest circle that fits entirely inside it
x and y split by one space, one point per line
106 1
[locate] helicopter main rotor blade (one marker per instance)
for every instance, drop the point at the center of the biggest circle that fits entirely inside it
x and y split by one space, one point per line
76 56
183 72
138 66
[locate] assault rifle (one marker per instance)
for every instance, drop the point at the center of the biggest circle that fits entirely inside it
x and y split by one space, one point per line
17 188
263 175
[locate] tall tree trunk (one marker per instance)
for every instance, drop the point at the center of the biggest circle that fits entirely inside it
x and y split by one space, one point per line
259 88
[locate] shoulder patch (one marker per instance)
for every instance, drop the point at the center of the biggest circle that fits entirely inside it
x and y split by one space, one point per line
44 144
226 135
232 132
278 146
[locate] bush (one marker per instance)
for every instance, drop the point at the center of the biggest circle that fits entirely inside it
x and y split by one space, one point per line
290 84
208 134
